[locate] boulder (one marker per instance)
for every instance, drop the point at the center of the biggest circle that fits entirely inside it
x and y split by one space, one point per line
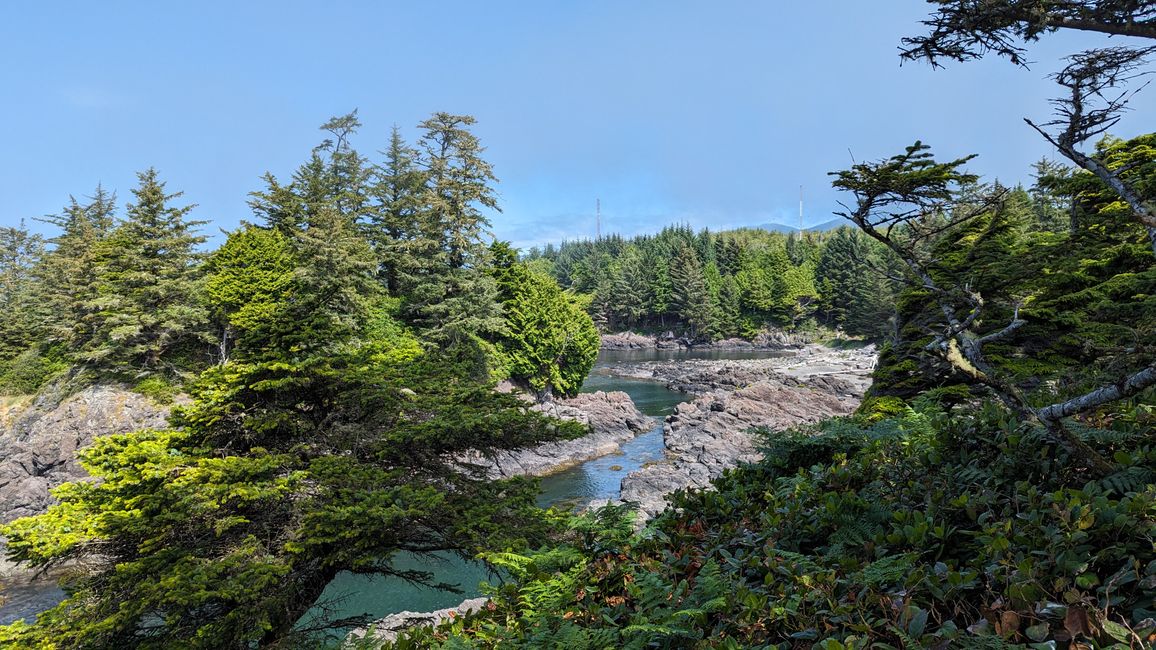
712 433
38 442
612 418
626 341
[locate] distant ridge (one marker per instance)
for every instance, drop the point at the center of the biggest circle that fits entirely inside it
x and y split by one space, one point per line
837 222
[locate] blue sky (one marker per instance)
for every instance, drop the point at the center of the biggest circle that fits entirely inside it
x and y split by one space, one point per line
710 113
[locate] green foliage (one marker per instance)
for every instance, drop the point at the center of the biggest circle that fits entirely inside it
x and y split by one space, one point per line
247 279
28 371
145 305
158 389
707 286
551 342
917 530
876 408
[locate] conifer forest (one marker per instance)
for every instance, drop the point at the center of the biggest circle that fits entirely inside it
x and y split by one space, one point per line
335 380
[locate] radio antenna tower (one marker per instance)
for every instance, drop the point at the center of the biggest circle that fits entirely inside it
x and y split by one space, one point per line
597 219
800 208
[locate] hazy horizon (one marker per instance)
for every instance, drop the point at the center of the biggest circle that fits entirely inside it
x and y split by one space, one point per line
667 112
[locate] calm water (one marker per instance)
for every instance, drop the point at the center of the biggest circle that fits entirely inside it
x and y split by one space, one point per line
350 595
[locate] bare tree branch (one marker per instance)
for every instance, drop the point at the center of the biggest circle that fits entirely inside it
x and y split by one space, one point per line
1015 324
962 30
1087 112
1125 388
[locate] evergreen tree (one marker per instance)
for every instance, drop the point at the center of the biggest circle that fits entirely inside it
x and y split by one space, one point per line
690 298
248 279
629 299
793 293
68 272
146 303
1053 210
552 342
459 184
842 271
403 241
21 316
456 303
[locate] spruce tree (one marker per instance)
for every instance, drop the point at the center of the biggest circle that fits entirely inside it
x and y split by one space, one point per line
455 303
21 295
690 298
403 241
146 305
69 271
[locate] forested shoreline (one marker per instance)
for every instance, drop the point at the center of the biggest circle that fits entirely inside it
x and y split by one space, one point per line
338 357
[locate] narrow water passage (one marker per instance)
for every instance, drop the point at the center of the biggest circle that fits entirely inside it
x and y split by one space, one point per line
350 595
595 479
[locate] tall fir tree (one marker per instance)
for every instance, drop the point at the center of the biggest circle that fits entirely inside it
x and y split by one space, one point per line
689 296
68 272
455 303
146 304
21 295
404 242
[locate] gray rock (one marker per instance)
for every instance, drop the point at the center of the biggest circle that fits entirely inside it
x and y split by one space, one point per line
38 442
612 418
712 433
392 626
626 341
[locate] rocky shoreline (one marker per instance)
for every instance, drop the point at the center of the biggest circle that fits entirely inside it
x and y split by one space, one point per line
843 372
612 417
712 432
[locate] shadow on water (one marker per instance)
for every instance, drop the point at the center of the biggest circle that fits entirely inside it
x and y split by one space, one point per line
600 478
377 596
26 600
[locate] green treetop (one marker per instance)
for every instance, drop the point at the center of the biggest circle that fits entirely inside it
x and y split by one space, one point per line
147 280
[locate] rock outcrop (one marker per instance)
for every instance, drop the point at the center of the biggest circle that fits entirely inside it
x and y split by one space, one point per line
710 434
390 627
612 418
626 341
38 441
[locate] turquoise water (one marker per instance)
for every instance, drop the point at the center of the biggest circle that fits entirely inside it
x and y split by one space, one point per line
350 595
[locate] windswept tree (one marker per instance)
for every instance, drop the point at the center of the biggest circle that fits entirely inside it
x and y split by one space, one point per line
1095 81
897 197
962 30
907 203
